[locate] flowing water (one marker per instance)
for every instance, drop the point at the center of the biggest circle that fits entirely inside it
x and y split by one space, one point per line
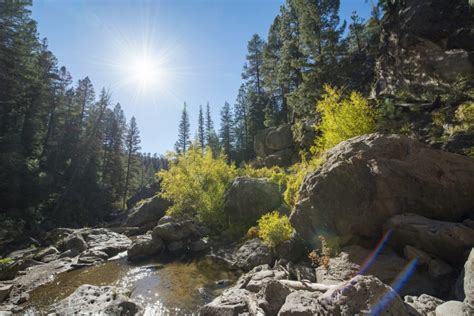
174 288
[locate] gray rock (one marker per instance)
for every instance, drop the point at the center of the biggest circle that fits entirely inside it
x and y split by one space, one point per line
448 241
281 158
291 250
74 242
46 252
92 256
301 303
259 143
199 245
104 300
469 283
259 279
5 290
147 214
173 230
279 138
274 293
233 302
247 199
423 304
176 246
106 241
144 247
450 308
253 253
370 178
436 267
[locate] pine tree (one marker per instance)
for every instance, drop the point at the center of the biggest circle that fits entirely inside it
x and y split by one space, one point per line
212 141
132 142
184 140
242 142
201 135
225 132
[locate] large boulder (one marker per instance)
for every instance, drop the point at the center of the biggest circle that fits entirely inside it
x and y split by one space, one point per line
300 302
253 253
426 47
450 308
370 178
144 247
147 213
469 283
446 240
233 302
279 138
145 193
172 230
423 304
106 241
247 199
97 300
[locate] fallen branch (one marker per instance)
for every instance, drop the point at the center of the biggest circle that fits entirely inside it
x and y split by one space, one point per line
308 286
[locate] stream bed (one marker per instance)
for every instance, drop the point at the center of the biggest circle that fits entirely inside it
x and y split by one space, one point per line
172 288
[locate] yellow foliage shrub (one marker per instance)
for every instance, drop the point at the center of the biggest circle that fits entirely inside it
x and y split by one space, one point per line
274 228
342 118
294 180
195 183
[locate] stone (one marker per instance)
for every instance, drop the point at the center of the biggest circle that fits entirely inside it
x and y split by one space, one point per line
174 231
147 213
368 179
469 283
94 300
253 253
291 250
233 302
460 142
145 193
92 256
5 290
450 308
199 245
301 303
275 294
106 241
259 279
448 241
423 304
176 246
247 199
436 267
279 138
144 247
48 251
281 158
74 242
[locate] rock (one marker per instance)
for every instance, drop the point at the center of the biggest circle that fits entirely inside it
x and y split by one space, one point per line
459 143
275 294
144 247
106 241
68 254
281 158
253 253
57 234
426 46
259 143
104 300
175 246
5 290
92 256
361 293
174 231
386 266
145 193
436 267
370 178
448 241
450 308
291 250
279 138
199 245
48 251
147 213
233 302
302 272
258 279
247 199
423 304
469 283
74 242
300 303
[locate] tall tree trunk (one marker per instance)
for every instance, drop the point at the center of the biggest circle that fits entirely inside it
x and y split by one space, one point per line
126 178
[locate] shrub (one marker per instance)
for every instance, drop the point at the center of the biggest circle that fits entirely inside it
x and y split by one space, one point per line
274 174
465 116
342 118
274 228
252 233
195 183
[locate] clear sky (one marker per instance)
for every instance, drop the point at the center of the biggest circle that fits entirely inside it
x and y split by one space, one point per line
154 55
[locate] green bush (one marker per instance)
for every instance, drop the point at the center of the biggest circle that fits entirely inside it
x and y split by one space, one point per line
274 174
295 178
195 183
342 118
274 228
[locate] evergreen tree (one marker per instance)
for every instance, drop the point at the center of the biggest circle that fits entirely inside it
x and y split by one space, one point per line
183 132
212 141
201 136
225 132
242 142
132 142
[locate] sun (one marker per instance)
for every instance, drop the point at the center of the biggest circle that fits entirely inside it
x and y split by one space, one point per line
145 72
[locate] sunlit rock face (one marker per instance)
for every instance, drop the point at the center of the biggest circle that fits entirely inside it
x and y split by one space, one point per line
368 179
427 47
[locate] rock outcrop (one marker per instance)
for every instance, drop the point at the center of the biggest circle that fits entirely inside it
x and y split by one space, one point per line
427 46
144 247
146 213
247 199
97 300
253 253
368 179
275 146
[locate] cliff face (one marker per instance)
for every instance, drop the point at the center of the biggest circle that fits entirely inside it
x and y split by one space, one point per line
427 48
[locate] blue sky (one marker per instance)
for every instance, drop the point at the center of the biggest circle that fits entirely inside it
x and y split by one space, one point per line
197 48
